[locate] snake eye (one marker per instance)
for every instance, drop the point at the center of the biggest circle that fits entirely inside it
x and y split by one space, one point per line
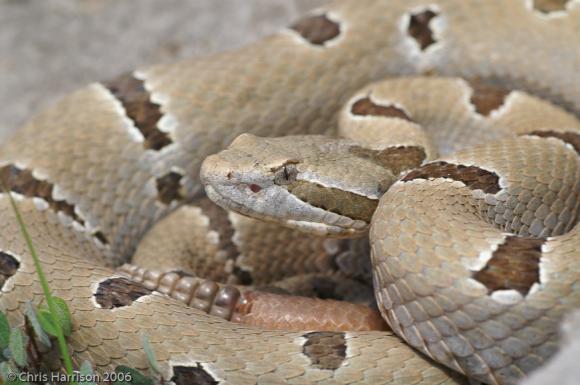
285 174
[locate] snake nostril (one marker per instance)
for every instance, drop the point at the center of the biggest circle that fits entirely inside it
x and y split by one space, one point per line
255 188
230 175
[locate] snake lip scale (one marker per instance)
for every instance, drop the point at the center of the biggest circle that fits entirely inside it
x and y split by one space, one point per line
440 135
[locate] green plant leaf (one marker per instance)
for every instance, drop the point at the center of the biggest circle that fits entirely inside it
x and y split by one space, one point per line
40 333
86 372
62 345
4 331
17 346
6 369
150 354
45 321
132 376
64 316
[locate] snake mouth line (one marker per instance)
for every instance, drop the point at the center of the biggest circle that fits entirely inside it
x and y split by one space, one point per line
232 205
222 201
322 229
317 228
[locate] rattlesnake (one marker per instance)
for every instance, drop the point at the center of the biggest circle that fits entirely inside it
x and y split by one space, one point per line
97 171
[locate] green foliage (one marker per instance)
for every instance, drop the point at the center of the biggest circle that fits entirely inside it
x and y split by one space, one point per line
8 371
56 321
17 343
17 346
4 332
150 354
62 315
45 321
86 371
52 306
38 331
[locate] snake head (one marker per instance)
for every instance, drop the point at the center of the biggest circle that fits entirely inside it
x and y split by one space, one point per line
311 183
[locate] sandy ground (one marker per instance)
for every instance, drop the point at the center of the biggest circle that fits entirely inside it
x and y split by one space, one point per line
51 47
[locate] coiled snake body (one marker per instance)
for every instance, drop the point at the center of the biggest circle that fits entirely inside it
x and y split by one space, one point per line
475 254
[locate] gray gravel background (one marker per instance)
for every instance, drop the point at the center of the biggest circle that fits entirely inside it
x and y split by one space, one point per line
51 47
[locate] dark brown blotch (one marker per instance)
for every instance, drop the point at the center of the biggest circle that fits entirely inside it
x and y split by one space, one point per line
317 29
548 6
192 375
118 292
169 187
420 30
326 350
569 137
396 158
486 98
473 177
366 107
335 200
22 181
101 237
513 266
8 267
136 101
219 222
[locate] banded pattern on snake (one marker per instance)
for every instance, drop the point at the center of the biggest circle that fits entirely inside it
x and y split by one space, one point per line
95 173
